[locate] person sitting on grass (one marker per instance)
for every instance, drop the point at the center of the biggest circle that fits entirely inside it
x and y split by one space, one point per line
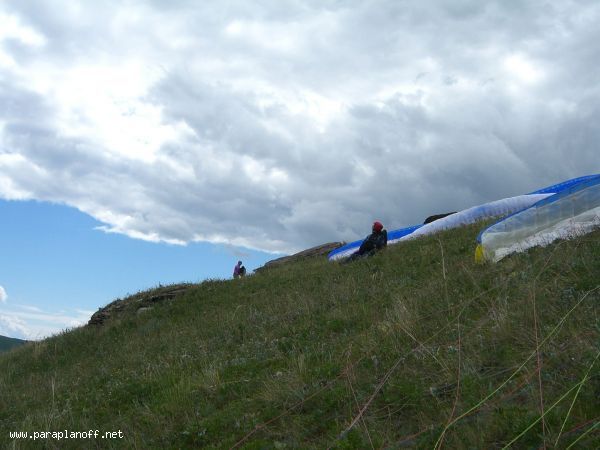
373 242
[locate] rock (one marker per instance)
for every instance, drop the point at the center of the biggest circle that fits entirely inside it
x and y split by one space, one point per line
437 217
319 250
139 303
99 317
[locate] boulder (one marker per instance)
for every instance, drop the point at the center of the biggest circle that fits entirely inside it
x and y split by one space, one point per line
139 302
313 252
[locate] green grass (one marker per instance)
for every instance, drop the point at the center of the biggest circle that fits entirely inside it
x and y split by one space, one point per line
430 348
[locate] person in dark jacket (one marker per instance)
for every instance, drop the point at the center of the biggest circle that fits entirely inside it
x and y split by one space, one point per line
373 242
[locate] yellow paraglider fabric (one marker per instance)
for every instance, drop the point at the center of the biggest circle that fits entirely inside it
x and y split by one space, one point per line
479 258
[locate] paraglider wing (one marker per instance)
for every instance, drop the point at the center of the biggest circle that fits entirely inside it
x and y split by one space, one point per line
559 187
492 209
574 211
559 217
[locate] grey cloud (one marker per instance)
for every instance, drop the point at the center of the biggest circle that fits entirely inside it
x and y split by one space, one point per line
430 120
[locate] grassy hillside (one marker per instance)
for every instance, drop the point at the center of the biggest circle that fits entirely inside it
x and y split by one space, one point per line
6 343
416 347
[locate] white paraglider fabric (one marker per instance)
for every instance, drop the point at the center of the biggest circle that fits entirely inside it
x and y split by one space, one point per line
562 216
492 209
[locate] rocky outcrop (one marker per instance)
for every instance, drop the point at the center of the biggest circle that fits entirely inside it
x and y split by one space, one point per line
319 250
142 301
437 217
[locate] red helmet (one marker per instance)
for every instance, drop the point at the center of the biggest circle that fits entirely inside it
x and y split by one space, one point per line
377 226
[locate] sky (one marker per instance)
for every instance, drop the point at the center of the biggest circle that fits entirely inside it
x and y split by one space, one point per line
146 142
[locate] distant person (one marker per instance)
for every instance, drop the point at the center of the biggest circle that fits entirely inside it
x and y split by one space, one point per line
373 242
239 270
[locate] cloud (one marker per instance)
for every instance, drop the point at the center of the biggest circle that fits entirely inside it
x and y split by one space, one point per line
32 323
13 327
285 125
3 295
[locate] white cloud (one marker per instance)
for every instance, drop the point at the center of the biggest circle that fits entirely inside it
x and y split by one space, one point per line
282 125
32 323
12 326
3 295
12 28
523 69
104 105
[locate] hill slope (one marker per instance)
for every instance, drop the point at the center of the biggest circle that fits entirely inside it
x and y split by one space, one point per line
6 343
417 346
